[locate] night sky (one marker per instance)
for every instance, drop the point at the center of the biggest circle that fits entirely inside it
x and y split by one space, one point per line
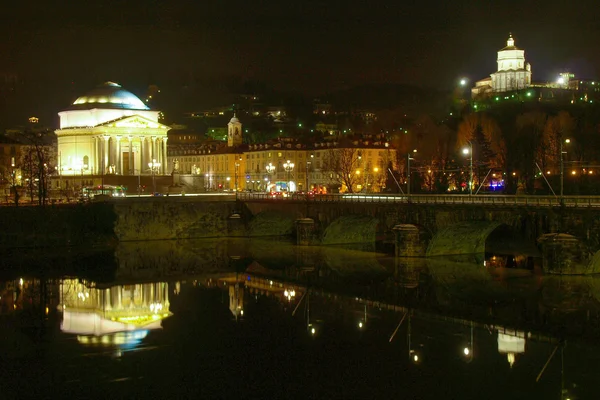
61 49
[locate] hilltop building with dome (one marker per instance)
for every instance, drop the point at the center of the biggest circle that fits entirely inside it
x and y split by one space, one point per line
111 131
513 73
513 82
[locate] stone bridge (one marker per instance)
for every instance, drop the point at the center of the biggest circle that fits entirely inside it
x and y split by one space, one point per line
566 233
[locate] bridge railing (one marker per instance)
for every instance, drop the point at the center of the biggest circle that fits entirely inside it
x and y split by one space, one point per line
502 200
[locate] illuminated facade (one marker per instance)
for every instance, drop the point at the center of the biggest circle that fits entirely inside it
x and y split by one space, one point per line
262 167
513 73
111 131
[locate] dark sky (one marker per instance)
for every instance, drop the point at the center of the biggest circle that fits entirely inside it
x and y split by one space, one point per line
60 49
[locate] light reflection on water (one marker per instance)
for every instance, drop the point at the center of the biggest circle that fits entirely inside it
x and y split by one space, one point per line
236 304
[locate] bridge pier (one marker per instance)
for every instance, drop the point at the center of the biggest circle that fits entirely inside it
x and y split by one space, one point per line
305 228
563 254
409 241
235 225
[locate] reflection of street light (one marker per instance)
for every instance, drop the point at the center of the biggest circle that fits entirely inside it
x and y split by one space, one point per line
154 165
470 152
562 167
288 166
468 350
14 186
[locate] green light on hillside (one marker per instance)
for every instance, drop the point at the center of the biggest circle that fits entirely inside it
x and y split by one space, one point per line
528 94
497 98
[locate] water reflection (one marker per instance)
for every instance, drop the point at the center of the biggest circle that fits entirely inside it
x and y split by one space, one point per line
230 308
99 311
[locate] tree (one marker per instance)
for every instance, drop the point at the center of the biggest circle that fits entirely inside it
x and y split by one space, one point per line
343 166
530 127
37 163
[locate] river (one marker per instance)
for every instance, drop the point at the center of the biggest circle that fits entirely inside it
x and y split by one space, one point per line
238 318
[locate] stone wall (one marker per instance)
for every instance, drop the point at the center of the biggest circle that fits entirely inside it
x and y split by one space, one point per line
171 218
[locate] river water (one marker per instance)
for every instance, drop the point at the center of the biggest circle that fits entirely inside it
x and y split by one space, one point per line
266 319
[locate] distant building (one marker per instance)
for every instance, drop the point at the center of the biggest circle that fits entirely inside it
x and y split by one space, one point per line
513 73
513 82
279 165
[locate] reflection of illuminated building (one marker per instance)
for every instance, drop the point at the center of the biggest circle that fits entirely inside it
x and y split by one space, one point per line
21 294
95 311
236 300
511 344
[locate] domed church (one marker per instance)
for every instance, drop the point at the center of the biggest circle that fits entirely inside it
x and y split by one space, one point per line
111 131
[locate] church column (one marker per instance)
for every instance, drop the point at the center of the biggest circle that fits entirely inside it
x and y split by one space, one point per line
166 302
153 155
164 156
107 300
94 160
106 153
142 156
130 157
118 156
98 155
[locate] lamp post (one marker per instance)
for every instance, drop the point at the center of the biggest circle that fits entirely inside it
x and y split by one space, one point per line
154 165
562 167
270 169
235 178
288 166
375 179
408 158
470 152
307 171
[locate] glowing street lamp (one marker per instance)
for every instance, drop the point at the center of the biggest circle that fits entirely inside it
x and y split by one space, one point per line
469 151
463 82
288 167
154 166
270 170
562 167
308 163
408 158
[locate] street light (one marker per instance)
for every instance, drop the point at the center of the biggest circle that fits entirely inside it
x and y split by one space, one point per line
408 158
235 178
562 167
270 170
308 165
470 152
288 166
154 165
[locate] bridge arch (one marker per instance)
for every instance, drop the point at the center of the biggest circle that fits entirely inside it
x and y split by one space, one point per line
466 237
351 229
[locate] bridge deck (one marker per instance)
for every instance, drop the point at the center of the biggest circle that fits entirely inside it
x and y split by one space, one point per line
504 200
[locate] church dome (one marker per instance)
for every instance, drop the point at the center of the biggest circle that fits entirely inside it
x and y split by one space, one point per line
109 95
234 120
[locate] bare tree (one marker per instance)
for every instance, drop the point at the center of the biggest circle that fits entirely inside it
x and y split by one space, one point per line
493 135
343 167
37 163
